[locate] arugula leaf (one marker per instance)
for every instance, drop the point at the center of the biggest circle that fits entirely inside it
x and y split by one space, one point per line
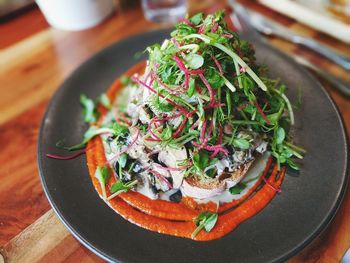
102 174
89 109
237 189
206 220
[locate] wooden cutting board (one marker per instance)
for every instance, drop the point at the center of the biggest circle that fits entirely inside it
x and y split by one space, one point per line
34 60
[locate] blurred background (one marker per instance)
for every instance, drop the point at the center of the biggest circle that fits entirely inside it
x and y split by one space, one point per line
43 41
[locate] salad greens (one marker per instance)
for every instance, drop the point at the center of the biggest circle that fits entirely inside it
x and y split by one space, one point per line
209 75
206 220
204 95
206 78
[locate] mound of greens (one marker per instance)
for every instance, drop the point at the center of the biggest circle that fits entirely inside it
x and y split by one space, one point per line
207 93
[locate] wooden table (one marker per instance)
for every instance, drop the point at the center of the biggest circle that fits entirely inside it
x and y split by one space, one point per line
34 60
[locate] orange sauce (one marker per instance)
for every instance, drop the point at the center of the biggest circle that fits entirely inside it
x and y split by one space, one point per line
177 218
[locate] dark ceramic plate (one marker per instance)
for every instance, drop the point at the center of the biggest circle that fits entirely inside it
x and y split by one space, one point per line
296 216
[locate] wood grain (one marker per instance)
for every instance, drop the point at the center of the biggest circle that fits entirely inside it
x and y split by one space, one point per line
29 23
22 197
32 66
41 236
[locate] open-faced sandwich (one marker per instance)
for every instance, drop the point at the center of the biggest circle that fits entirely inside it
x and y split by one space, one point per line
196 138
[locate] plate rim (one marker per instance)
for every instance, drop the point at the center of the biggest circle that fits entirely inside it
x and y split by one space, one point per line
288 254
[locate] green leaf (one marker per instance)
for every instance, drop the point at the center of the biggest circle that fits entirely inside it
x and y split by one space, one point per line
280 135
274 117
213 161
160 104
247 82
206 220
89 109
102 174
89 134
125 80
228 103
105 101
123 159
211 172
210 222
183 30
120 187
293 165
197 18
194 61
119 129
214 78
237 189
166 134
241 143
191 88
200 160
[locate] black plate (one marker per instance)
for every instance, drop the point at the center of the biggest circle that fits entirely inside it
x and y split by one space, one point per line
296 216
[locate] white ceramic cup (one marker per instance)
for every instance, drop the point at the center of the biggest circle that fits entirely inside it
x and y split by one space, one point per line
75 15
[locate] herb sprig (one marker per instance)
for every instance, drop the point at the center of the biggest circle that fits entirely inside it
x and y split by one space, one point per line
206 220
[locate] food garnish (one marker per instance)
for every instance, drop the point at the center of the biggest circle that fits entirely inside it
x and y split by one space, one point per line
185 134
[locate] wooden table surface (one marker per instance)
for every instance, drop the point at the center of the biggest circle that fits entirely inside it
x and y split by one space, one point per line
34 61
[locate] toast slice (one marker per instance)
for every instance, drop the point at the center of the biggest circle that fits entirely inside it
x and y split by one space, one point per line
194 187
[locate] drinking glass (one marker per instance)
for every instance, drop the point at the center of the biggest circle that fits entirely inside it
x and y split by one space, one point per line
164 11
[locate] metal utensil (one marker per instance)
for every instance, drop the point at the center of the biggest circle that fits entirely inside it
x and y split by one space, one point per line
241 20
268 27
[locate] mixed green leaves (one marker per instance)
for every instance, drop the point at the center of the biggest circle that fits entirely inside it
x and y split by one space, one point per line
206 220
217 67
202 80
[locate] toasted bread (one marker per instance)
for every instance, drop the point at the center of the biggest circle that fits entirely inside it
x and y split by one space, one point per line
194 187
